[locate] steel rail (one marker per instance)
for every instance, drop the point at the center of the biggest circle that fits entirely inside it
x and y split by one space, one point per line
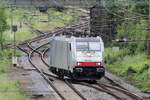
121 88
66 81
133 95
113 82
43 36
43 73
99 89
74 89
106 90
69 84
57 31
39 70
42 58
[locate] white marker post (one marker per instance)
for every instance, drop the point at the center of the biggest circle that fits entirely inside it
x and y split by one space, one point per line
14 61
11 36
13 29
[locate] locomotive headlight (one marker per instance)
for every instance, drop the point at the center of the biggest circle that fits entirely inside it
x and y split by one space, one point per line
98 63
79 63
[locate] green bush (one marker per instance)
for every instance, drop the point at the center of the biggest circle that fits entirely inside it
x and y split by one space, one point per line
3 68
136 64
134 32
131 62
112 56
5 60
137 67
143 80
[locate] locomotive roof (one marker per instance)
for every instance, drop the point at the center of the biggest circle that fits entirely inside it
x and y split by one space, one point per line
79 39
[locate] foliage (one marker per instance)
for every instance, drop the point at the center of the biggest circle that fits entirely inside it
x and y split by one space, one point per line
23 31
21 35
5 60
3 22
132 67
3 26
135 32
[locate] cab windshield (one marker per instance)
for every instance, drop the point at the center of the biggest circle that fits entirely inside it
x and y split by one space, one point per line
88 46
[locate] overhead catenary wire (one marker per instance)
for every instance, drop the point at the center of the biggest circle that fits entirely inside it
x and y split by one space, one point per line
129 18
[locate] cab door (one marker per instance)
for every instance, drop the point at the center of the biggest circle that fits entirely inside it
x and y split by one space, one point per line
69 56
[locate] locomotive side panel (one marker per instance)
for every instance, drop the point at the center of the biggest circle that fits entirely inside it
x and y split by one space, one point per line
61 55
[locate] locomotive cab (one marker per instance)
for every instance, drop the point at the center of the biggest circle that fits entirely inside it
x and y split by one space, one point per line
89 58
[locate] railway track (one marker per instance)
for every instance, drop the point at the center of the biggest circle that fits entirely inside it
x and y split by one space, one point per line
64 82
70 82
116 91
100 87
126 93
118 87
30 52
109 89
56 32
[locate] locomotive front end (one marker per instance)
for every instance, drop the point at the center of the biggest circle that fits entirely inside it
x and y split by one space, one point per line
89 58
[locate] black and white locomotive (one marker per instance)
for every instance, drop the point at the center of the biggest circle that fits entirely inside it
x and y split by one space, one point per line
80 58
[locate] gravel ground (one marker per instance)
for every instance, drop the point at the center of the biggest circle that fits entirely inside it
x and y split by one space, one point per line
28 85
32 82
129 87
93 94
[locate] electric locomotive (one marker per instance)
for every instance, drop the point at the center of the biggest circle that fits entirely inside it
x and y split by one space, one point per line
80 58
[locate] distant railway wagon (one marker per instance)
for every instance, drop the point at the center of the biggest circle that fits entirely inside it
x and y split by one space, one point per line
80 58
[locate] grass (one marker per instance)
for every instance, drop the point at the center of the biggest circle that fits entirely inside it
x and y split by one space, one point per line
22 33
9 90
134 68
56 19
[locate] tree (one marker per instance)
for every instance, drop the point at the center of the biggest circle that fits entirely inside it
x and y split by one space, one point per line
3 25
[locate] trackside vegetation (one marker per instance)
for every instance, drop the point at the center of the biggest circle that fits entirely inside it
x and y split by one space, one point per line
9 90
135 69
131 62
